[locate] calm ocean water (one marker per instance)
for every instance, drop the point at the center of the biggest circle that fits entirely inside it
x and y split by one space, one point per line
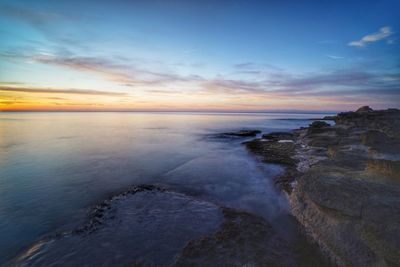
54 166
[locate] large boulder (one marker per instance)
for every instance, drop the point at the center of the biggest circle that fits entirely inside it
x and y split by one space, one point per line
364 109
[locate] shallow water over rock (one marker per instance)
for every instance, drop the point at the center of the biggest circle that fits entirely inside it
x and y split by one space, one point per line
149 226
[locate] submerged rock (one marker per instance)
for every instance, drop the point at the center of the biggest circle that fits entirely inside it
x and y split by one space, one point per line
149 226
144 226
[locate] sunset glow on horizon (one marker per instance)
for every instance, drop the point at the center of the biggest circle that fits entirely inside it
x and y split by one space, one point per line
198 55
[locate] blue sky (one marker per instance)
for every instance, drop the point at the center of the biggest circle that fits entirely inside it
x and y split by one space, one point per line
199 55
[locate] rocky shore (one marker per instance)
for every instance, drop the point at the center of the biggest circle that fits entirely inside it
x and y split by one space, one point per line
342 179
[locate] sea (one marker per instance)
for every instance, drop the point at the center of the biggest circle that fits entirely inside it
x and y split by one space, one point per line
55 166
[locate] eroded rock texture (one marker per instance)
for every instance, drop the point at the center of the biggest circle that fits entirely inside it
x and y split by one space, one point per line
343 182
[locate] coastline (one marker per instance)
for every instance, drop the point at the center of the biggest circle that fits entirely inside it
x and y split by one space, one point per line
342 182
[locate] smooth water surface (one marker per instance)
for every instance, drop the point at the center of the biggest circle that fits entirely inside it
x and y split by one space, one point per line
54 166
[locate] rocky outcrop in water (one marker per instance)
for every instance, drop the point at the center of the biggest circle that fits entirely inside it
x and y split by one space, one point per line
243 133
343 183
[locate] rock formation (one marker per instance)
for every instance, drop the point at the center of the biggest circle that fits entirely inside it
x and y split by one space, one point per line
243 133
343 183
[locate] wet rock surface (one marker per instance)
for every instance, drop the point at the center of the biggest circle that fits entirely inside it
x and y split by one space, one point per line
343 182
245 239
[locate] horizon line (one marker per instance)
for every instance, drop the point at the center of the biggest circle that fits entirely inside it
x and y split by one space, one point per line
180 111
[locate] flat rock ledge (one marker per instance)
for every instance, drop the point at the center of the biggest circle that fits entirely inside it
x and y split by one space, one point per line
343 183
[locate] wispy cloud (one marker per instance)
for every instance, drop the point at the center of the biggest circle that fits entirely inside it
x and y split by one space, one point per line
383 33
338 83
266 84
229 86
122 72
245 65
101 67
342 86
48 23
27 89
334 57
252 66
36 18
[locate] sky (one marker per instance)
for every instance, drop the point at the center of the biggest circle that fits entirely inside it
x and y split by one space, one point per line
199 55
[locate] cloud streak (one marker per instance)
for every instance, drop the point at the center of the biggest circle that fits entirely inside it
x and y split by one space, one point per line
5 88
334 57
36 18
334 83
251 66
100 67
383 33
122 72
276 84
